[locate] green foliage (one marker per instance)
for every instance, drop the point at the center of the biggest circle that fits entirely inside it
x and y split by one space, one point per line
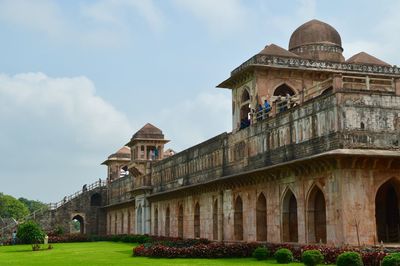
10 207
261 253
32 205
391 260
30 233
349 259
59 230
312 257
283 256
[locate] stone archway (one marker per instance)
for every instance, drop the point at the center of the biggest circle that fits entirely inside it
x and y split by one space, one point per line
316 216
261 217
289 218
156 222
387 212
139 220
215 220
95 200
180 221
79 219
238 219
283 90
167 222
197 221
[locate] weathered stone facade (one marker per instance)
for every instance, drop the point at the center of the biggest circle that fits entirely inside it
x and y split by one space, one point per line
323 165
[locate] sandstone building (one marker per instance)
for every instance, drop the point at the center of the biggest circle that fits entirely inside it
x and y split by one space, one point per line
323 165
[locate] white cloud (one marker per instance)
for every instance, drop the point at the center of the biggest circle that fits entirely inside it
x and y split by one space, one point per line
195 120
55 133
220 17
110 22
41 15
114 11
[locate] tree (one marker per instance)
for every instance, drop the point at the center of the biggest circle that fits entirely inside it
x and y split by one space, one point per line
30 233
10 207
33 205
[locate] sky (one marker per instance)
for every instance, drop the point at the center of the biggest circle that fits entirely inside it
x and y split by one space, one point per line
79 78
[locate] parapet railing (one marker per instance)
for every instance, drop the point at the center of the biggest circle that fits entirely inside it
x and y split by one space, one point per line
368 83
317 89
85 188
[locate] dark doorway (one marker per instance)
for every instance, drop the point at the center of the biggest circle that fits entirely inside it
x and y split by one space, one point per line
167 222
180 222
316 216
95 200
156 222
197 221
261 213
289 218
387 212
238 219
215 220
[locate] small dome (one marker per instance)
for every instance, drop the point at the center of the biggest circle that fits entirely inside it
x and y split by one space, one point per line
314 32
148 132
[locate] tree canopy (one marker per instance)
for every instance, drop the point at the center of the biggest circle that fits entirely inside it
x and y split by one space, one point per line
10 207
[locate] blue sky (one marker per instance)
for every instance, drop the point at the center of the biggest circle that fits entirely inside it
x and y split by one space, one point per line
78 78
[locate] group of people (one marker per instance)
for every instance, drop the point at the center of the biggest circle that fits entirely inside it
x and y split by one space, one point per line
261 112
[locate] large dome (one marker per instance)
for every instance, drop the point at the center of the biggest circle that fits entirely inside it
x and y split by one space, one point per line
314 32
318 41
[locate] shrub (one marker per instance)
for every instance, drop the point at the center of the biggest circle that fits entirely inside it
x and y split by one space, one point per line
261 253
312 257
30 233
349 259
391 260
283 256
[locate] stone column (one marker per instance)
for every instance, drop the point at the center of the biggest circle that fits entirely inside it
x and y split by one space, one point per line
337 82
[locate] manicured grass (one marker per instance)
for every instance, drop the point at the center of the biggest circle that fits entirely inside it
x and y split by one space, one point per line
103 253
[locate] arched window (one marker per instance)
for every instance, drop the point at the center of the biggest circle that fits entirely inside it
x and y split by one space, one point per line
387 212
197 221
245 96
129 221
156 222
122 223
316 216
78 225
283 90
180 221
95 200
215 220
289 218
139 220
327 90
167 222
238 219
261 217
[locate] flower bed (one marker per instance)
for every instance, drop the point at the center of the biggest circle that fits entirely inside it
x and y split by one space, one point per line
200 250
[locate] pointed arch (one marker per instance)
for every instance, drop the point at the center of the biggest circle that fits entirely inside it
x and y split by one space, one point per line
180 221
316 215
78 218
167 222
197 220
245 95
156 221
261 217
215 220
387 213
289 217
139 220
238 219
284 89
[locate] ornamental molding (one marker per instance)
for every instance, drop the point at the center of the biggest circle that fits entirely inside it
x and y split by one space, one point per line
300 63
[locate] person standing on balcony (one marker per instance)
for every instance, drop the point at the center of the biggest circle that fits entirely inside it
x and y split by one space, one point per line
267 108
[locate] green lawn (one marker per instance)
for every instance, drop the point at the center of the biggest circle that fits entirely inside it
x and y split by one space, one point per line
102 253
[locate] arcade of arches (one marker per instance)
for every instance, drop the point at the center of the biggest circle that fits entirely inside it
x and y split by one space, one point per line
270 212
